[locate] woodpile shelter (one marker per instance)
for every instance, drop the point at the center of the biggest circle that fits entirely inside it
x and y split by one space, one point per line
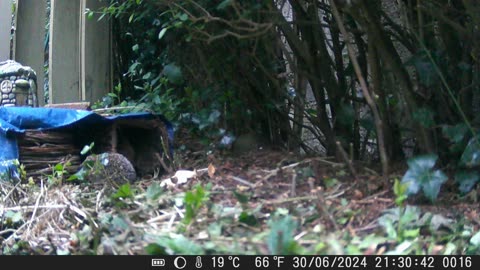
41 137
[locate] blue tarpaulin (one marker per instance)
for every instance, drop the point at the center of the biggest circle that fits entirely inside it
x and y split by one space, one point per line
15 120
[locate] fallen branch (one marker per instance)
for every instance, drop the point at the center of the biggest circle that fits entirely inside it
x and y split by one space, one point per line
242 181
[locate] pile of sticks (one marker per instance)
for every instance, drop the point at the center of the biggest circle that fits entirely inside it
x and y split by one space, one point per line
39 150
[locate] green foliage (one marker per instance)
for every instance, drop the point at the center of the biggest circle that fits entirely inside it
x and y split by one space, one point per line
280 238
178 244
194 200
169 67
154 191
93 166
59 173
12 218
87 148
421 176
471 155
425 68
401 223
455 133
466 175
475 244
173 74
466 180
218 67
247 216
124 192
424 116
400 191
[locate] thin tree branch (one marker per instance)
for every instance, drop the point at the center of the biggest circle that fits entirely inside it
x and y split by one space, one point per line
365 91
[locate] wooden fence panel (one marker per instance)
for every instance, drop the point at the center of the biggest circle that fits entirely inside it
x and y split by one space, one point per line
30 37
79 48
64 54
5 28
96 54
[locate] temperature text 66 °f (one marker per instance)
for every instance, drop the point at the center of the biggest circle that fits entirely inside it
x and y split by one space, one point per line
266 262
329 262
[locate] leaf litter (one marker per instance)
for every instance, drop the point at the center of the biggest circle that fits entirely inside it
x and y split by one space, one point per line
215 203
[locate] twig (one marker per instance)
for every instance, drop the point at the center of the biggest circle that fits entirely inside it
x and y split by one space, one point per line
11 191
98 199
160 218
347 160
102 110
370 226
274 171
162 162
78 210
321 204
242 181
37 202
29 207
304 198
27 223
370 171
294 184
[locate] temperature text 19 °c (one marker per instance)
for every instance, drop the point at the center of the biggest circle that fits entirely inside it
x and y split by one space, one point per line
224 261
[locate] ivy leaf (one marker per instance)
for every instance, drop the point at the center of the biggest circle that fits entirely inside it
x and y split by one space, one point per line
214 116
248 219
281 240
455 133
243 199
183 17
155 249
475 240
124 192
224 4
466 180
177 244
345 115
421 176
173 73
154 191
424 116
432 183
471 155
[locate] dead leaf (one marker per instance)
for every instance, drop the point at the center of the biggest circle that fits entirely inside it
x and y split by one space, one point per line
211 170
357 194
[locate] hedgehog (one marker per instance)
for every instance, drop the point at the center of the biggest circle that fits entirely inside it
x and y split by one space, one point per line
108 167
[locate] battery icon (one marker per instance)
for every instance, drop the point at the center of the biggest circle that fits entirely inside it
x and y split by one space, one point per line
158 262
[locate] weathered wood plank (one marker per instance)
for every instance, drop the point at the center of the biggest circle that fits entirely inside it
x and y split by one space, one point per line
30 37
5 28
97 54
64 75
